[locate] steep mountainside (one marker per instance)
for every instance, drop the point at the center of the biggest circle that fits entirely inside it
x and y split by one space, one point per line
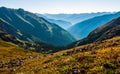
61 23
82 29
36 28
9 34
104 32
5 27
74 18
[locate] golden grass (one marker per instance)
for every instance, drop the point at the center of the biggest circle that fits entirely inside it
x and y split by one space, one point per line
103 60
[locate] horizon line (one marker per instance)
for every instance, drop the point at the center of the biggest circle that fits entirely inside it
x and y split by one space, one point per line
64 12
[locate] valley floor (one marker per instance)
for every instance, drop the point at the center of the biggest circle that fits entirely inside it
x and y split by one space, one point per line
96 58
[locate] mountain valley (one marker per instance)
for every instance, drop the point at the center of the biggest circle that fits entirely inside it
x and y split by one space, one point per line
33 43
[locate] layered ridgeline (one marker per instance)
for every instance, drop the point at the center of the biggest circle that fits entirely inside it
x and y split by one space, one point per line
74 18
82 29
35 29
62 23
107 31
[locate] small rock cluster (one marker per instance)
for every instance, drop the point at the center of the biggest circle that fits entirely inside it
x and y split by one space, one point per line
12 63
16 62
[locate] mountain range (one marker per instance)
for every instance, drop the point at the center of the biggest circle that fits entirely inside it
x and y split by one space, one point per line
107 31
74 18
82 29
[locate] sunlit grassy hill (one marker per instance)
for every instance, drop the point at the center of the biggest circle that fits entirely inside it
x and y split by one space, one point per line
95 58
12 56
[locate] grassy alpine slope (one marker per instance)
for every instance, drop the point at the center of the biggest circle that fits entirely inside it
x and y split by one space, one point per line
99 58
12 56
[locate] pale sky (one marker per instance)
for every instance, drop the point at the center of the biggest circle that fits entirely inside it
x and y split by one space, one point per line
63 6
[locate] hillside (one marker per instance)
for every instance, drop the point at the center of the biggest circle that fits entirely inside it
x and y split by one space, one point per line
82 29
5 27
98 58
36 29
12 56
9 34
31 46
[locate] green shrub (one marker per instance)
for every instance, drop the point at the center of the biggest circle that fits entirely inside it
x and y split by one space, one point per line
109 65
